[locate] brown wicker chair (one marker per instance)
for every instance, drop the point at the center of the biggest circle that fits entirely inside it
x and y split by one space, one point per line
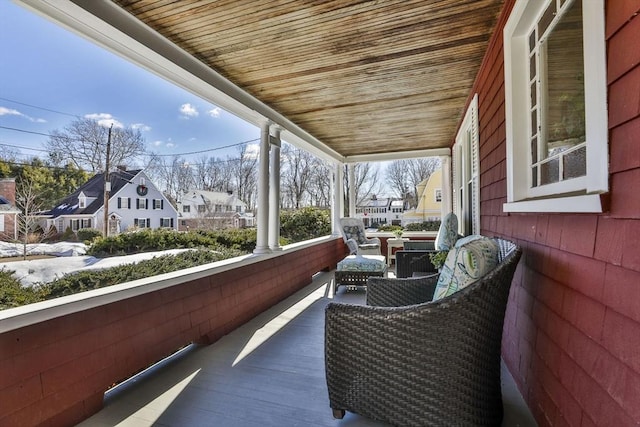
415 363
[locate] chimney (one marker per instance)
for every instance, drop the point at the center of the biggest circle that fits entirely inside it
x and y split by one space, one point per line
8 189
123 168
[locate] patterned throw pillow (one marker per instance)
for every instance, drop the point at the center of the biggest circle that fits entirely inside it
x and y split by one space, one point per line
466 264
448 232
354 232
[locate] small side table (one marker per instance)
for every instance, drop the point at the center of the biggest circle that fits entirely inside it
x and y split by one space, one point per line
391 245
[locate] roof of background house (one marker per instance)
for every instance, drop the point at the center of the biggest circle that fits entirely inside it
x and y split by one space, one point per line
6 206
92 188
213 196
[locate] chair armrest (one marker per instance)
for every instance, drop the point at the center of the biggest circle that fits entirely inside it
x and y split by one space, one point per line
388 292
373 241
409 262
352 245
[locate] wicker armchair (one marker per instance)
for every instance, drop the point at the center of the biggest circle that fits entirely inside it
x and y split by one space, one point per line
414 363
354 237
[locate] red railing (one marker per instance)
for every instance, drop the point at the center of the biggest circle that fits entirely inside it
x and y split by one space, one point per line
57 358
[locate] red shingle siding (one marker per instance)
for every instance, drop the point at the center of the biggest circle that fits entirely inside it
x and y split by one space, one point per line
571 335
56 372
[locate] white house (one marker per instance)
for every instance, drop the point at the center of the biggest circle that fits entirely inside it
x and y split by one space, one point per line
380 211
134 202
199 209
8 210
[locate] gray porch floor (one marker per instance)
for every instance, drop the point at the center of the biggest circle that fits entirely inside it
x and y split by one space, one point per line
269 372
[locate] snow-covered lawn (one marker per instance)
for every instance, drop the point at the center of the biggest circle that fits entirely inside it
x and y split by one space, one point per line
70 257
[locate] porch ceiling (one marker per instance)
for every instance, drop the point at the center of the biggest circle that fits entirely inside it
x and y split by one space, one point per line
360 77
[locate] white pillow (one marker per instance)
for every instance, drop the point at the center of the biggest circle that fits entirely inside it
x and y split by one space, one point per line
466 264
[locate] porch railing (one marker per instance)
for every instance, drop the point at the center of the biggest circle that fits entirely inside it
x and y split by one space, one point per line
58 357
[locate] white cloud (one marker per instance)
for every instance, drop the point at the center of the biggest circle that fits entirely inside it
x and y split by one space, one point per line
141 126
215 113
4 111
170 145
157 143
187 111
105 119
9 112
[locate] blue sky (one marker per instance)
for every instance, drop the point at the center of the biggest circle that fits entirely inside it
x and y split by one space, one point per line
49 76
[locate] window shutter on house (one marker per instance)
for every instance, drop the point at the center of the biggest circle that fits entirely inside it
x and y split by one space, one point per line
119 202
129 202
148 222
146 203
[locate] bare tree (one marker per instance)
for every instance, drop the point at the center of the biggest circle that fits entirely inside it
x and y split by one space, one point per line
245 175
27 196
211 174
397 178
296 175
84 143
404 176
173 176
320 186
366 182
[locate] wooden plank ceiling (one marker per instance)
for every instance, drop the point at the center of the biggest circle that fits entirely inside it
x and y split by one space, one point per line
363 77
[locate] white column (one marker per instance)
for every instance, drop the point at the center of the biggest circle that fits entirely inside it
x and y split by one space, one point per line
263 193
337 205
352 190
447 192
274 192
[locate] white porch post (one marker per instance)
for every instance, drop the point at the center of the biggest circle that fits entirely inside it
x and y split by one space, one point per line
263 193
337 207
447 192
274 192
352 190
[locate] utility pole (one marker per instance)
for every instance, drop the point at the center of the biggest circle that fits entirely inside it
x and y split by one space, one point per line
107 185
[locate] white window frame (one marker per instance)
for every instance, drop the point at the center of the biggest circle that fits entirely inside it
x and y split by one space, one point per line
578 194
157 204
168 220
466 171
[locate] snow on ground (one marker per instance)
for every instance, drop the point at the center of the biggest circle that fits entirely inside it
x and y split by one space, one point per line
46 270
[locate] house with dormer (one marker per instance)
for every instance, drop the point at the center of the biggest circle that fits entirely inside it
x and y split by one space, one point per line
212 210
133 202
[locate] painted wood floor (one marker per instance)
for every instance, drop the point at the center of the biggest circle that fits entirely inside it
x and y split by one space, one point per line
269 372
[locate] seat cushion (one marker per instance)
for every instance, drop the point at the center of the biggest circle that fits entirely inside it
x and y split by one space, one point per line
466 264
363 263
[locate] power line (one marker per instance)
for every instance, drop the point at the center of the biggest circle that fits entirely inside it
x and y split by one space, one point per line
210 149
23 147
158 155
40 108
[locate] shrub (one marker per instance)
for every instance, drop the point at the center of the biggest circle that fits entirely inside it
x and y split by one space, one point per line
148 240
423 226
68 235
86 280
12 294
303 224
88 234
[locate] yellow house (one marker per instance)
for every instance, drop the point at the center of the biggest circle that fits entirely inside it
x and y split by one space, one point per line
429 203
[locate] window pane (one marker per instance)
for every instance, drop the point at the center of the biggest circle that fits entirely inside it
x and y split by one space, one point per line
549 172
532 41
564 85
575 163
546 18
534 94
534 150
534 176
534 122
532 67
